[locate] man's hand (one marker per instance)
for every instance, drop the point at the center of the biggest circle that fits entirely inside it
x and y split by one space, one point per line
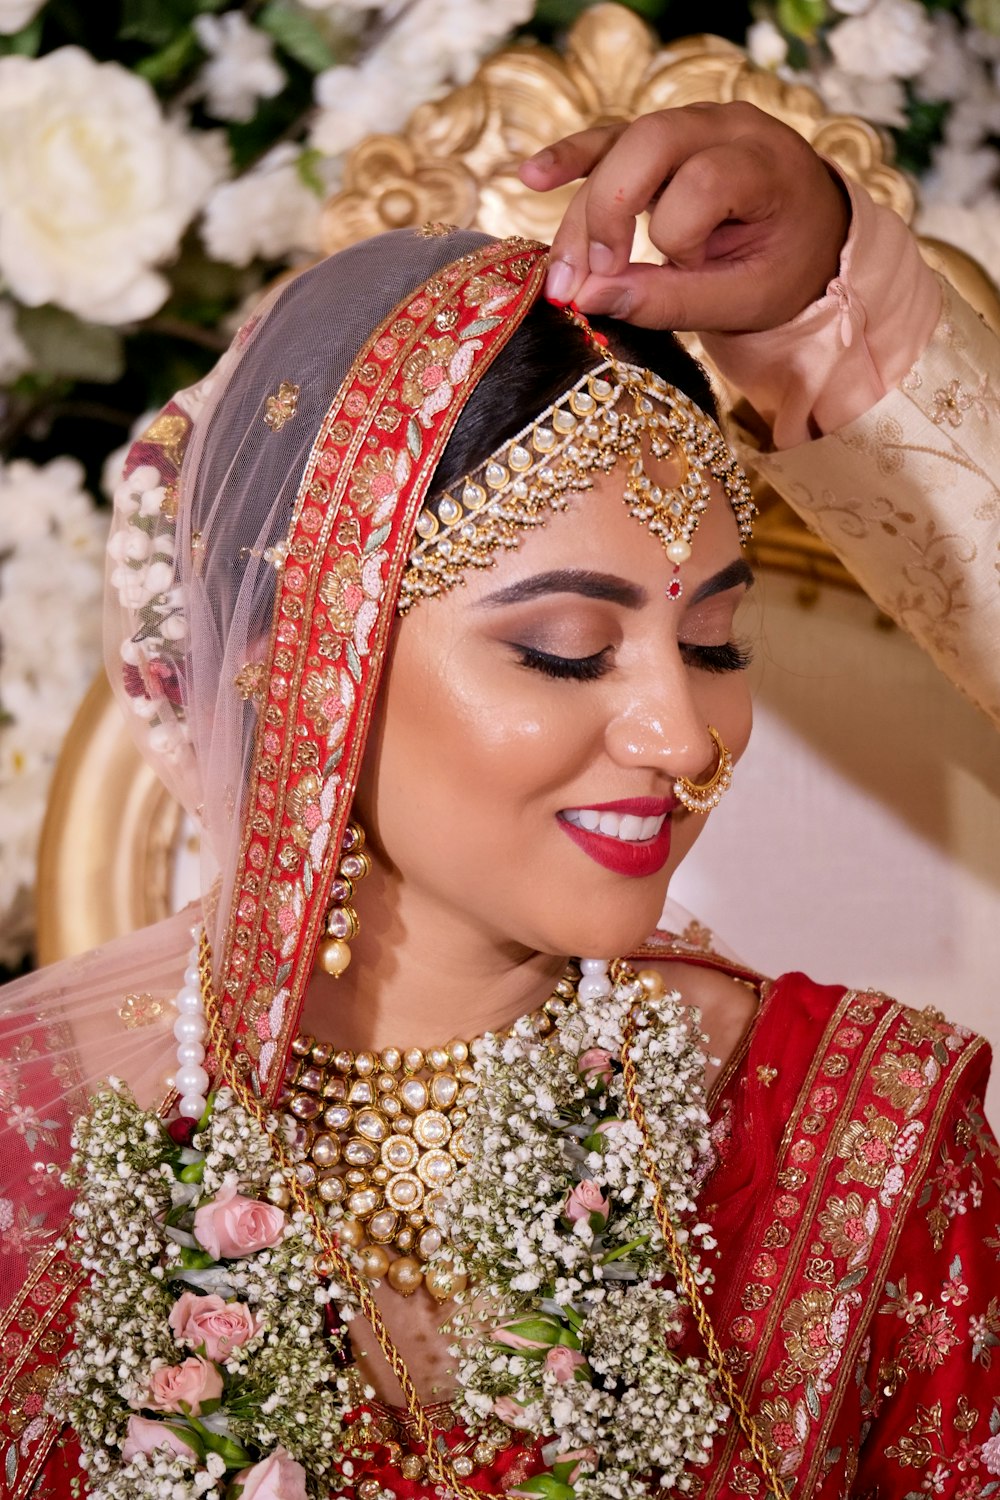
749 219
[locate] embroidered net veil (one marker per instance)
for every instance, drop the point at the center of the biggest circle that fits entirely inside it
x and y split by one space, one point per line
329 397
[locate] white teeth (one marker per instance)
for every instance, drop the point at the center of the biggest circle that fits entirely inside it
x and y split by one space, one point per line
625 826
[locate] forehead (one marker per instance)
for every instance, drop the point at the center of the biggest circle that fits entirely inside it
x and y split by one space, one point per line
597 531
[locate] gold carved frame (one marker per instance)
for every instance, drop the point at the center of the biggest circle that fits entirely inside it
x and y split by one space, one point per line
111 830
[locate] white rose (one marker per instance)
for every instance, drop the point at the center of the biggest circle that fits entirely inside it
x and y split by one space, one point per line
892 40
96 186
953 71
241 67
883 101
766 45
269 212
959 175
15 14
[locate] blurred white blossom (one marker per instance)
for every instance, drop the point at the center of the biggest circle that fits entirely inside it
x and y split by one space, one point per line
960 176
766 45
96 185
883 101
270 211
430 44
241 68
16 14
51 577
952 71
891 40
974 230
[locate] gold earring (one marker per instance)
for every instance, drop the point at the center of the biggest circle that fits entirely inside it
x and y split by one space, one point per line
701 797
342 922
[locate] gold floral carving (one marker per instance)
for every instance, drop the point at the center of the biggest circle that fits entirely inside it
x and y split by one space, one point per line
456 160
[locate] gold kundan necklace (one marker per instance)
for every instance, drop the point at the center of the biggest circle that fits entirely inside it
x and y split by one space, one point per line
379 1134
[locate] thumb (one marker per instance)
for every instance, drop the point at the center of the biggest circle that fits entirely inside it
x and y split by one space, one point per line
717 297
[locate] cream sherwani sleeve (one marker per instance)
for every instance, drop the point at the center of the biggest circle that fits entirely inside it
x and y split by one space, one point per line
884 398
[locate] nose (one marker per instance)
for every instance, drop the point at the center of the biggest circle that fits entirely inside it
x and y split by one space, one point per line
662 726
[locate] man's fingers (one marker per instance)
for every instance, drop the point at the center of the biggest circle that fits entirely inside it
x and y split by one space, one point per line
725 185
722 297
569 158
568 263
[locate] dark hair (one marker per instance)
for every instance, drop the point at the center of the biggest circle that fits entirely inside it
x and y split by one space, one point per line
544 358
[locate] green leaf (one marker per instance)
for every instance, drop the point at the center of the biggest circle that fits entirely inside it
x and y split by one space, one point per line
353 661
307 167
297 34
61 344
157 22
167 65
23 43
413 439
984 13
196 1260
548 1486
282 975
801 18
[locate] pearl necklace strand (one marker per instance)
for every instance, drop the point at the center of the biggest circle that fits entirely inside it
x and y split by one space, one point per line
190 1028
190 1078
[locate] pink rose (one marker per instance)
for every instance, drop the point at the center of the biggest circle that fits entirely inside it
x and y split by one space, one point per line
586 1199
231 1225
564 1363
582 1459
185 1386
276 1477
508 1410
595 1065
220 1326
143 1435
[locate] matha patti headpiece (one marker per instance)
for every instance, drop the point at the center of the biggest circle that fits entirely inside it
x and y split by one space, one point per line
616 412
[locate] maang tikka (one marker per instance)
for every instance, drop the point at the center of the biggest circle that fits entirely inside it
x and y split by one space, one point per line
608 417
342 922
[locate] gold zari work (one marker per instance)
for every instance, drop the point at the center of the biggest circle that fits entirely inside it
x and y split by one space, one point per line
383 1135
616 414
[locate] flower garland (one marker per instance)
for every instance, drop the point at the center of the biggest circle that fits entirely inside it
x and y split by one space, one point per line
575 1313
210 1357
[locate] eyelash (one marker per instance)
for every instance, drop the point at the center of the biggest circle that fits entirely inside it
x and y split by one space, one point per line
727 658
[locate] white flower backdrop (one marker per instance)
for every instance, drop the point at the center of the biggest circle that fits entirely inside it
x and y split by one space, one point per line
160 160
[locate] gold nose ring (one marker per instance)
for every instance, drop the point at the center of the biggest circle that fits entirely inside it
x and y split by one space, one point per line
701 797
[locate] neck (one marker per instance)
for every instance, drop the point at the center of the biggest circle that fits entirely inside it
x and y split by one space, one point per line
421 975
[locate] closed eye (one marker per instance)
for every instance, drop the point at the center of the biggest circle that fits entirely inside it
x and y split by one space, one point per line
726 658
576 668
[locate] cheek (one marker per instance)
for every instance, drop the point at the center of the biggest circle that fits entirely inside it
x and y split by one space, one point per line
729 707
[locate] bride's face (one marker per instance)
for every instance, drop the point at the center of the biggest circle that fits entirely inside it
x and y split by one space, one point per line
560 688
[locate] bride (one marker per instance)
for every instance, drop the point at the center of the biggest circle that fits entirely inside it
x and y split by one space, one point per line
426 603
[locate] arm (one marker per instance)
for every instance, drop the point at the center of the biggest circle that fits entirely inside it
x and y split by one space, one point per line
891 464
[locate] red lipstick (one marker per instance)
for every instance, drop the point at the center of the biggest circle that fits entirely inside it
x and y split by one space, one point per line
621 857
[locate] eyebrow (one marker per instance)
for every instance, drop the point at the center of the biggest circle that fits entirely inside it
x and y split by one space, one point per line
609 587
570 581
735 573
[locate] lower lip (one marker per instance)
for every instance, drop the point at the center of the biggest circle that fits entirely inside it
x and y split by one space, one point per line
619 856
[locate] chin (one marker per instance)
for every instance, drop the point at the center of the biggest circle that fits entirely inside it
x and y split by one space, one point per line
609 936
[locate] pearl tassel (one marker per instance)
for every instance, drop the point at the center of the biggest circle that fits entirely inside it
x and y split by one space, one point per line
594 984
191 1080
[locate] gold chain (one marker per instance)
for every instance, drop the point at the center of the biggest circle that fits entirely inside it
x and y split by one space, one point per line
442 1470
686 1277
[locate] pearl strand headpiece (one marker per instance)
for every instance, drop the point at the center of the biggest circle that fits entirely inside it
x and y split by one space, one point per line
616 412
